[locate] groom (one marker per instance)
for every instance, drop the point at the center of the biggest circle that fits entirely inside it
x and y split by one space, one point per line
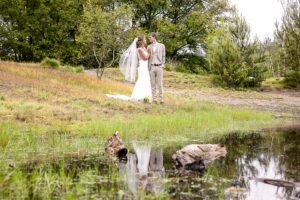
156 63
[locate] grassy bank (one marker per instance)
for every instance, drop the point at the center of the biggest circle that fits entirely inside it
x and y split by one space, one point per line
48 114
44 109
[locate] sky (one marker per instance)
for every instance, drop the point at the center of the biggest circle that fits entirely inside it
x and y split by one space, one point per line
261 15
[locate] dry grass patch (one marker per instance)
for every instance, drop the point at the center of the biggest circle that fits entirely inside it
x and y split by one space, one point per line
54 77
32 94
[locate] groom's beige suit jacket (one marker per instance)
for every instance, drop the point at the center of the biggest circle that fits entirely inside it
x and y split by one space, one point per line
159 56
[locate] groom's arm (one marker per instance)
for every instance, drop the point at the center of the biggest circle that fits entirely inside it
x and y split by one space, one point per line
163 54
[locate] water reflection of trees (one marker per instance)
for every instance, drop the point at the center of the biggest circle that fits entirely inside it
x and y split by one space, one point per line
270 154
242 150
290 159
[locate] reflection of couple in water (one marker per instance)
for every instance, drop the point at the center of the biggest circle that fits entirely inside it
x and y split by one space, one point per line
144 170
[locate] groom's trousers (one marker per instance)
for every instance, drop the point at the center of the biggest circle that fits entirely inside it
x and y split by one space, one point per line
156 76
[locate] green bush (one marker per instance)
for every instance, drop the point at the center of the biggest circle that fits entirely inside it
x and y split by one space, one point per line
193 63
52 63
256 75
292 79
171 64
68 68
79 69
181 68
146 100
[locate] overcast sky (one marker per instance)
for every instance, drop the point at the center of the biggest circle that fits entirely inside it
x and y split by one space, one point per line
260 14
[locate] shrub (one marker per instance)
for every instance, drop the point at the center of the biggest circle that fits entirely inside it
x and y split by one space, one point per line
193 63
181 68
256 75
171 64
79 69
52 63
292 79
146 100
68 68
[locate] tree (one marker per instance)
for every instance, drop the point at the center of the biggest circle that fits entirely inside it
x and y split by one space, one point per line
288 38
146 13
13 36
185 24
104 34
32 30
225 59
35 29
274 54
233 57
252 52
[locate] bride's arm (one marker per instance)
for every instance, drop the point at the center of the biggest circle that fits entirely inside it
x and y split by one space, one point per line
143 55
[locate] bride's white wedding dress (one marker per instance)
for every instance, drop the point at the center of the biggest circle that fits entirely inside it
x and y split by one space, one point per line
142 88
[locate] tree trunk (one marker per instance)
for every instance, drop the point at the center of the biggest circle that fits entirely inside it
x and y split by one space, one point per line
272 68
100 69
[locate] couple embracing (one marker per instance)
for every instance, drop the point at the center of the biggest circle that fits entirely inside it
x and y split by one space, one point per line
150 62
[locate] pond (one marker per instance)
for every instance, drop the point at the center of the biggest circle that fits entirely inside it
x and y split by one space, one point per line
148 172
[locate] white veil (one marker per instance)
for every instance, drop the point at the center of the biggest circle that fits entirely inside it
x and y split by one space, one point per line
129 61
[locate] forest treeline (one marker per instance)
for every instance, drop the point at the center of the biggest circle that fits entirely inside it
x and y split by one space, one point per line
201 36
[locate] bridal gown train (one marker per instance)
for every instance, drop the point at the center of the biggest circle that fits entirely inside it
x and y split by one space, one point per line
142 88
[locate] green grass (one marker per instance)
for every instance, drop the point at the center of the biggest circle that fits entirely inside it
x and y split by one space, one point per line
200 121
7 129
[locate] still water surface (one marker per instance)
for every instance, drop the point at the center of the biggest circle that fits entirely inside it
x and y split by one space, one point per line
149 171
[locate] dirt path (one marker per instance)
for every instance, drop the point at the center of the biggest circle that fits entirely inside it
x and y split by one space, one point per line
282 103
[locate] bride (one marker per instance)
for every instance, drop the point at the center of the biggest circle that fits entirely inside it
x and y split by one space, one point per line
136 55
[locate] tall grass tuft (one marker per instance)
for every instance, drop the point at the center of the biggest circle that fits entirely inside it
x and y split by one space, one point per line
202 123
7 129
79 69
68 68
49 62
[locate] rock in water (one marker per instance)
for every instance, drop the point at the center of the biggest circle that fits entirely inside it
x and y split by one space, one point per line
195 156
114 146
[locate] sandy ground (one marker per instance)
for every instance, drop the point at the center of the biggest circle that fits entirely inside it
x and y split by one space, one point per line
282 103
